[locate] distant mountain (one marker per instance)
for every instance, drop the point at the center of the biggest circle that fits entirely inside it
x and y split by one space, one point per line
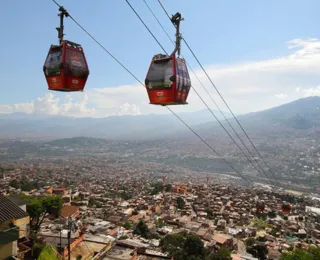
19 125
79 142
302 114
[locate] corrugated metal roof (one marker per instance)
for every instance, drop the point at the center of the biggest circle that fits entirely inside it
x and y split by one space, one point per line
10 210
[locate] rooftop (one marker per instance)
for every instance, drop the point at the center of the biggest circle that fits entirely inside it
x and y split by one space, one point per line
10 210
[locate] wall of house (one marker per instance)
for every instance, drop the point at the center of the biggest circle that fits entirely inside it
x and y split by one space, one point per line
8 250
4 225
73 245
23 224
23 207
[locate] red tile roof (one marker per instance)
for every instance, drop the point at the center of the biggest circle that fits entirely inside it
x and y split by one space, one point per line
68 211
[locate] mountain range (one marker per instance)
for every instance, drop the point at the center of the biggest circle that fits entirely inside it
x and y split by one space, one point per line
300 115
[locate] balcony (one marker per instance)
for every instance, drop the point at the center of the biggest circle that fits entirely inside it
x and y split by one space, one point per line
9 234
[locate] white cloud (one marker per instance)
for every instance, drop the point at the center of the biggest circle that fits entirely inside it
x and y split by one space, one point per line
247 86
309 92
50 105
281 96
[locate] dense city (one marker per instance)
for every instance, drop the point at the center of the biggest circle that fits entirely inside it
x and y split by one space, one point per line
67 204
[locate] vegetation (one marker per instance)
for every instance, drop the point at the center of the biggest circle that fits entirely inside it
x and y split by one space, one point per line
39 207
141 229
260 223
272 214
258 250
221 254
123 237
168 187
135 212
180 203
209 214
24 184
274 231
37 249
189 247
313 253
157 188
48 253
127 225
159 223
93 203
250 242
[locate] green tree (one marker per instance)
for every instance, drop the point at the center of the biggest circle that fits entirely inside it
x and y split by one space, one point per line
127 225
135 212
15 184
250 242
259 251
221 254
209 213
141 229
314 251
260 223
274 231
193 245
172 243
168 187
157 187
39 207
183 248
180 203
272 214
297 254
159 223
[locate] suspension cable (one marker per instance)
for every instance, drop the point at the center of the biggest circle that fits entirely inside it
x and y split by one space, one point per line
112 56
226 119
203 99
255 148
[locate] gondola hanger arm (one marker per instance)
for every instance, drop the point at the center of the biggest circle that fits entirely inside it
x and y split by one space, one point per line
176 19
63 13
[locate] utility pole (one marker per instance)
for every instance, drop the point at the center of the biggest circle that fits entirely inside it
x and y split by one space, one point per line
60 240
69 236
164 178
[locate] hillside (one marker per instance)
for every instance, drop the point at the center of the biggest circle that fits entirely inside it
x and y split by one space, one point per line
302 114
45 127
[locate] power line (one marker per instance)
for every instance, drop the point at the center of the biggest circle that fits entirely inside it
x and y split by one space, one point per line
206 143
212 100
222 99
146 26
144 87
198 93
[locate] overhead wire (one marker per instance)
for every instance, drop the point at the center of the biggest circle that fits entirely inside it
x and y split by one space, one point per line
198 93
224 101
226 119
112 56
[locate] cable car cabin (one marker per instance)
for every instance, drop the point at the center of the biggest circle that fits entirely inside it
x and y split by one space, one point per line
168 81
66 68
286 208
260 206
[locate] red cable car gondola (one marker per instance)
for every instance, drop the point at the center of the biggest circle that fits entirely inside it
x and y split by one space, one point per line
66 68
260 206
168 81
286 208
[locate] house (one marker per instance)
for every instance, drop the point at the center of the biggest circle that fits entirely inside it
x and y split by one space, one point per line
13 225
223 240
70 211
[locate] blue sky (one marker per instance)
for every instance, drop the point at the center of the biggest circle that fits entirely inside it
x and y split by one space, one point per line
222 34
